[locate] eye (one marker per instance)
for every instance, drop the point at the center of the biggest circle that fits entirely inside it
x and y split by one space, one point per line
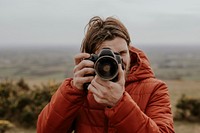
123 52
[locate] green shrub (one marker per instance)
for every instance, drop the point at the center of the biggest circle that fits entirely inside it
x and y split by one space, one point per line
5 125
21 104
188 109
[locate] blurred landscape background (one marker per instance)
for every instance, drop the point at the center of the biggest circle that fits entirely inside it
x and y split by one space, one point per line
38 39
178 66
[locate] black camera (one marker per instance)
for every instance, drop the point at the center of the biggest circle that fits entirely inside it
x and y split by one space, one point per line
106 65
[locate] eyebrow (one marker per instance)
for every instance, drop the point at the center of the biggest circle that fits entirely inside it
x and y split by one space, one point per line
120 51
123 51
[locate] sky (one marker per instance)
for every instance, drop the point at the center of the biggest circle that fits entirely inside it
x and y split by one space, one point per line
62 22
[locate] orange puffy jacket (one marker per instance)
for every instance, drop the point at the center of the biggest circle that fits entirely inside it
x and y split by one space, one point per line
144 108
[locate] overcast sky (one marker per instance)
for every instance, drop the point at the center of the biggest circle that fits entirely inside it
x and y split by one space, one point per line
52 22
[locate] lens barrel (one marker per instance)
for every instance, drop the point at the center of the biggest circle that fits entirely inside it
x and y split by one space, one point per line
106 67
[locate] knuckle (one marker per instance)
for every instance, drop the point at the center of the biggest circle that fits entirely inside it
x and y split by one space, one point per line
75 75
86 70
84 62
86 79
77 80
92 82
104 93
90 79
100 96
75 69
99 100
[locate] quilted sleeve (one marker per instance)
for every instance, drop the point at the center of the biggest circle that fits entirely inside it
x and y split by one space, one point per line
59 114
127 117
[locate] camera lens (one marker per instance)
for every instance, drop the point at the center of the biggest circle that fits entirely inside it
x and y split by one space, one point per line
106 67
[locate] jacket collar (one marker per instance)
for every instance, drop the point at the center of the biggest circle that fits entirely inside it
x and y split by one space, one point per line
140 67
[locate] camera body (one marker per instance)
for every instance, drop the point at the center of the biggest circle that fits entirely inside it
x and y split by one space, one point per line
105 65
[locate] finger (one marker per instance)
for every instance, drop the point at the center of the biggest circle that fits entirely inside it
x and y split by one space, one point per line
82 64
84 72
92 89
82 80
79 57
95 91
101 82
95 82
104 87
100 100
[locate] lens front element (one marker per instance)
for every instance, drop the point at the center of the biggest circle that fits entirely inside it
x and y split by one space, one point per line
106 67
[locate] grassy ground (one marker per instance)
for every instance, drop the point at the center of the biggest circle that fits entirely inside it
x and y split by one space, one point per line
176 90
185 127
180 127
21 130
179 88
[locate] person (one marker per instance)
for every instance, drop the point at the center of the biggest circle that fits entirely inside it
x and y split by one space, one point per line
137 102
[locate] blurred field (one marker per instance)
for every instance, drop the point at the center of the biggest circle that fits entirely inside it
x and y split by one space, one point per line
180 127
21 130
177 89
179 67
185 127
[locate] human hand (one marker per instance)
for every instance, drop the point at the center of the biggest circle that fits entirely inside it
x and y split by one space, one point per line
106 92
82 68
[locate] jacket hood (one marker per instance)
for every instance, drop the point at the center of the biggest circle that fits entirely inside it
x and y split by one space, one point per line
139 67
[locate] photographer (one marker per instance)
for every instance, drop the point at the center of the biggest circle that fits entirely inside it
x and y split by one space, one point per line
133 101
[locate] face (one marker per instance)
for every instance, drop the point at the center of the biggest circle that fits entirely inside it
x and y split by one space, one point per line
120 46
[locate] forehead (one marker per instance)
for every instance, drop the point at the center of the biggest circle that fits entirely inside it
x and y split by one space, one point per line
118 44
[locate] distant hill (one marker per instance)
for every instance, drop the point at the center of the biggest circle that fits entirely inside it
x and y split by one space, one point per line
177 62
